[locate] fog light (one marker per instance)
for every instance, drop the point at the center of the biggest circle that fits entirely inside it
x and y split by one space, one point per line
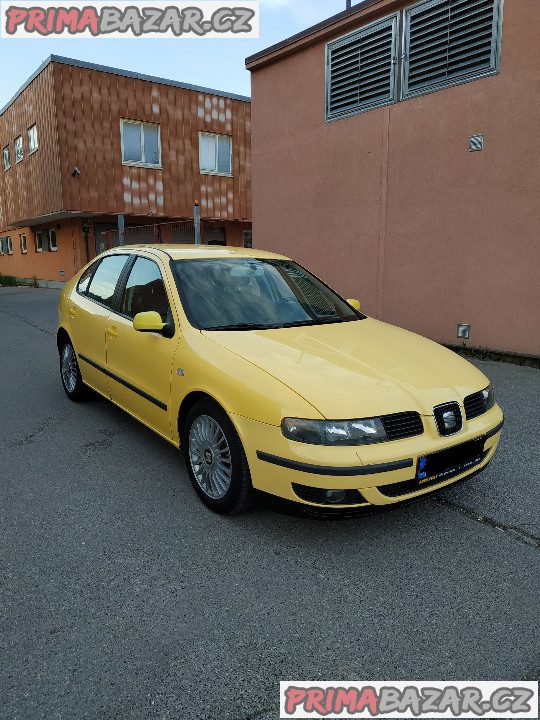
335 497
322 496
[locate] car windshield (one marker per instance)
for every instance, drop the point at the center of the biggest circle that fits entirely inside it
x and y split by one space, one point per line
253 294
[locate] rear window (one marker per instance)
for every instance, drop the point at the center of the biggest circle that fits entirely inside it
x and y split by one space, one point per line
105 279
84 280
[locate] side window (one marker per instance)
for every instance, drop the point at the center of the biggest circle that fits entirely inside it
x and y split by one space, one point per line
145 290
19 150
105 278
52 241
84 280
39 241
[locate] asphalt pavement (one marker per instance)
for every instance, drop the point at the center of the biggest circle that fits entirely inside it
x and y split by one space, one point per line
123 597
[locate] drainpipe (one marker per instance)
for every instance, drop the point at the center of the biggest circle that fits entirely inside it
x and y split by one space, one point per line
86 230
121 228
197 222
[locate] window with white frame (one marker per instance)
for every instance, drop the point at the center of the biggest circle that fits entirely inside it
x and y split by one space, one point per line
441 43
9 246
19 151
141 143
6 155
1 245
24 245
32 139
39 240
215 154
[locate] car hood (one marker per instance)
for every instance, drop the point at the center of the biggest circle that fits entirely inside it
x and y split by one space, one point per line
357 369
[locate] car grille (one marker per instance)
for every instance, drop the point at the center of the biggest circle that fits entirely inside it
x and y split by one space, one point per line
475 405
441 411
402 425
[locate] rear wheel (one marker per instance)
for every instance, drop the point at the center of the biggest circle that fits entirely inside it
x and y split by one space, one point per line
215 459
70 374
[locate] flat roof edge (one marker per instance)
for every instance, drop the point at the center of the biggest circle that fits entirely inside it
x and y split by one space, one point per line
73 62
265 56
23 87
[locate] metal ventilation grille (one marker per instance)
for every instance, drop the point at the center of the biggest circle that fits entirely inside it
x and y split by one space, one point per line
402 425
449 41
361 69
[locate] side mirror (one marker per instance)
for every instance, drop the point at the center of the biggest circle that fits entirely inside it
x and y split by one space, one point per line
148 322
355 304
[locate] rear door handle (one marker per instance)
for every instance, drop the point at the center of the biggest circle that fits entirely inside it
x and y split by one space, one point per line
112 332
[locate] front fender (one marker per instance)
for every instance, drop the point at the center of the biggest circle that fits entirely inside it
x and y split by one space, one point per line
239 386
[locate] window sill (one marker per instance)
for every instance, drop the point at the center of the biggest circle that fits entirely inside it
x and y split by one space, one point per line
218 174
31 152
142 165
7 168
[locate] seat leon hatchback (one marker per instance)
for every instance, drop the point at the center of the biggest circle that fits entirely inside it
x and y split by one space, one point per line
267 379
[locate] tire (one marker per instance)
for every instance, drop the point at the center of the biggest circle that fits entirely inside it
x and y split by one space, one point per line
215 459
70 374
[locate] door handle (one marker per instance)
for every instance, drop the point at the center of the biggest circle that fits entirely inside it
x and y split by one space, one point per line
111 331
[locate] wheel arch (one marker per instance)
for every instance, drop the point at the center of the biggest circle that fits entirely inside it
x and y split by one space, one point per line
187 403
61 336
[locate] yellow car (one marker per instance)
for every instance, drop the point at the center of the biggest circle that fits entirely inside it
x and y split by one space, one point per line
267 379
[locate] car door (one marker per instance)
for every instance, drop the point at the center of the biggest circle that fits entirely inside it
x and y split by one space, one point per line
140 363
89 308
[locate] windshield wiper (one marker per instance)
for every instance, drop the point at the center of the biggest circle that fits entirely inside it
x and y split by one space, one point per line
298 323
244 326
308 323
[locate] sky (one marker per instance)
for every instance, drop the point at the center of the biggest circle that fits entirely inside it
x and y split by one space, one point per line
217 64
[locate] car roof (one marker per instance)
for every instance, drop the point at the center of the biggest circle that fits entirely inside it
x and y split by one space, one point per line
189 252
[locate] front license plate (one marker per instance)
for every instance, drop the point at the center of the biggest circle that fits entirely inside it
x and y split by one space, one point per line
450 462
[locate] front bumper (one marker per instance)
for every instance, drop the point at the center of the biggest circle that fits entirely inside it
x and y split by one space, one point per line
383 474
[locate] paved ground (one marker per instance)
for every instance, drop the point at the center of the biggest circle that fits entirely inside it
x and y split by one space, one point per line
123 597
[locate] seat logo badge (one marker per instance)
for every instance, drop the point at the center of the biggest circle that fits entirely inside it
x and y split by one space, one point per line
449 420
180 372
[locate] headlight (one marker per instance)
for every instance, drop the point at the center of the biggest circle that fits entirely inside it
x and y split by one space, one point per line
329 432
489 397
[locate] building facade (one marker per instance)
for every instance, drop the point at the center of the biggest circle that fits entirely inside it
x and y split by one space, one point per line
94 156
395 151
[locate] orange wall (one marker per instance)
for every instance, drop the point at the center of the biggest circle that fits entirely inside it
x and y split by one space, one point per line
45 265
71 254
390 207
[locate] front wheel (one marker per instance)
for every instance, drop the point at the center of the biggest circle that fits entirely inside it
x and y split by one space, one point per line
72 381
215 459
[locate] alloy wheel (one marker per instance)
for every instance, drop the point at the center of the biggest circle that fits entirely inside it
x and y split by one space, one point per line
69 368
210 457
